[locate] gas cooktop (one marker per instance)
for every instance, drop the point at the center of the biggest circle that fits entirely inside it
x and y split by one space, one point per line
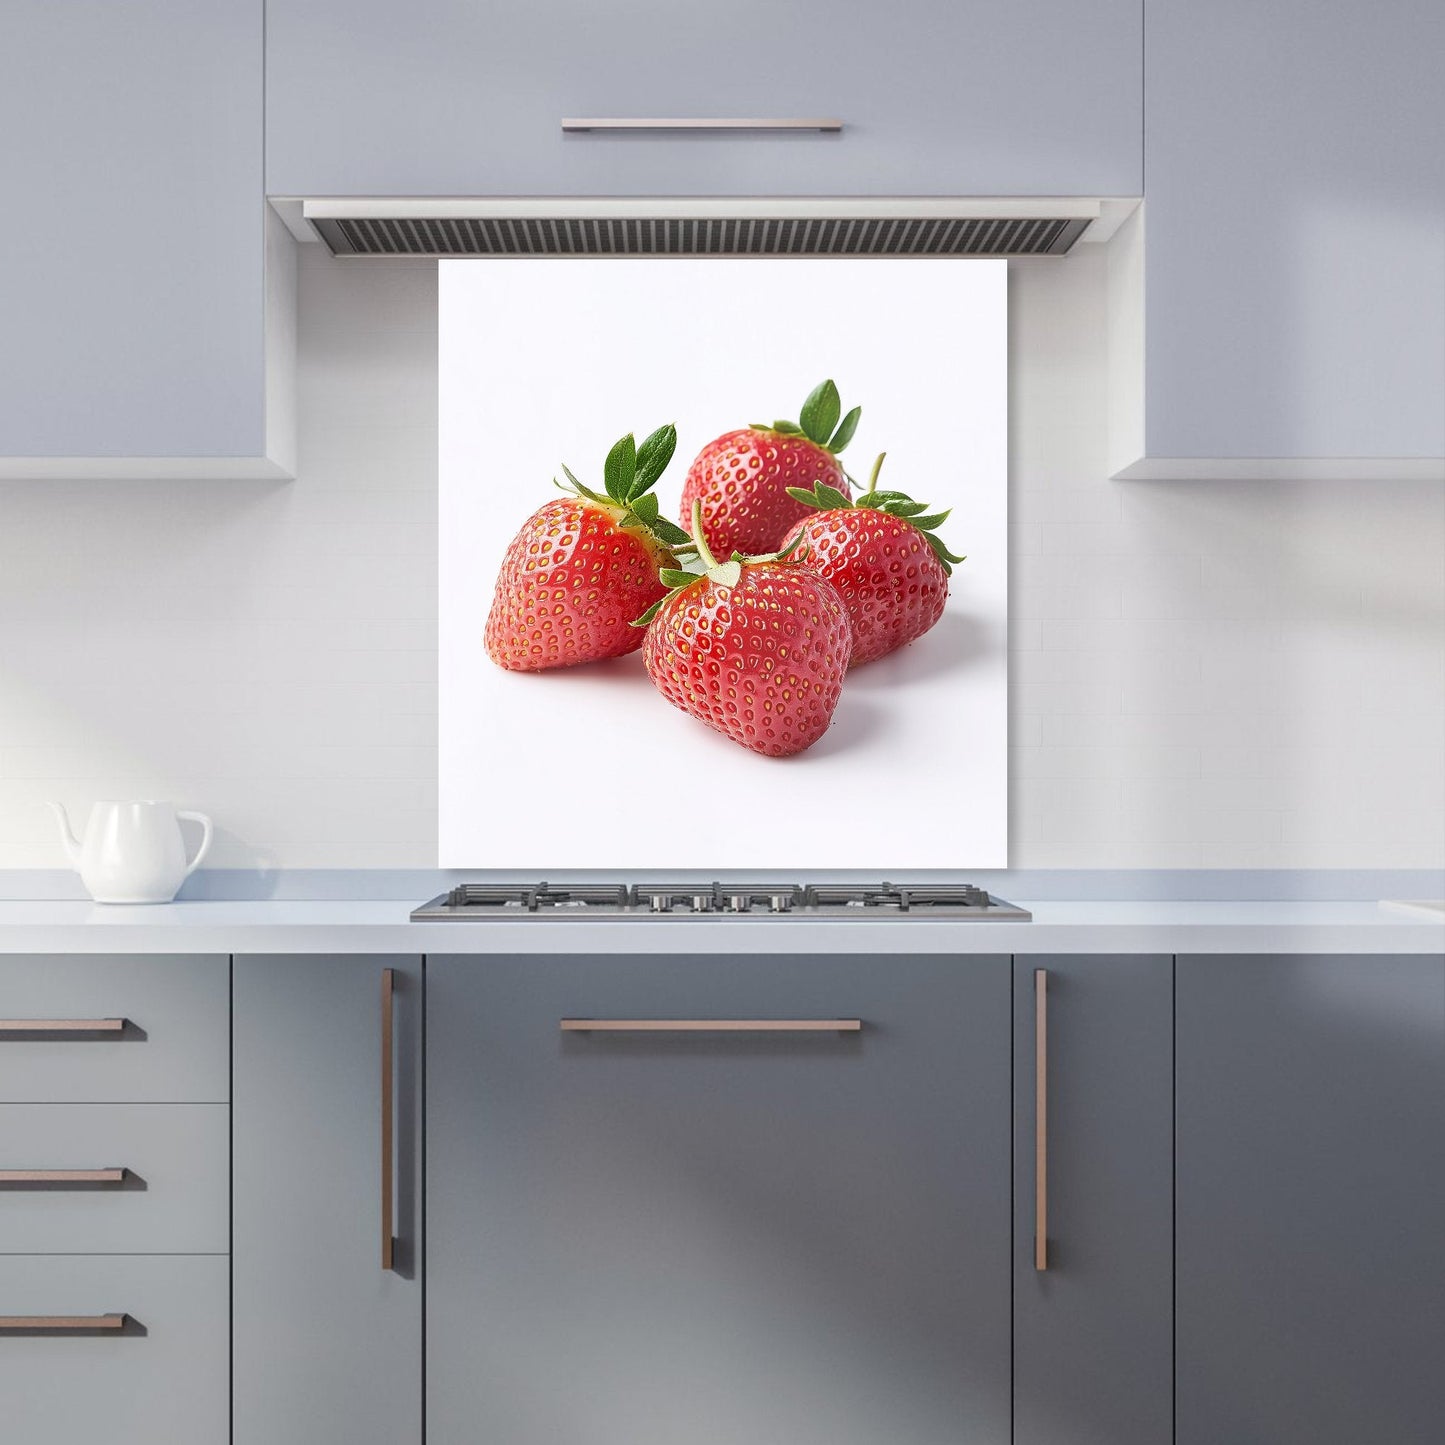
476 901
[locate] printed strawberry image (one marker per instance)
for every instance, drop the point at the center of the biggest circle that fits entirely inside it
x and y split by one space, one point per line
582 567
741 478
883 557
755 647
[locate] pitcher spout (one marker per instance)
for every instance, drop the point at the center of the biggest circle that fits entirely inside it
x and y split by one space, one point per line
68 840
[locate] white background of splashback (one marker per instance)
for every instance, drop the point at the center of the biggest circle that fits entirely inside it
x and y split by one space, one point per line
1213 674
541 359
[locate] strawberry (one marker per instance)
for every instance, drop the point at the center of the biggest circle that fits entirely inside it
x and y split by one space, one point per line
882 556
742 477
755 647
581 568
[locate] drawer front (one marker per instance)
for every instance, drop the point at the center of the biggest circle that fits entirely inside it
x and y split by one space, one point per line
173 1047
162 1377
171 1198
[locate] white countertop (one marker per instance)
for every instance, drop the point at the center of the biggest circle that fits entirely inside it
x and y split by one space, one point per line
382 927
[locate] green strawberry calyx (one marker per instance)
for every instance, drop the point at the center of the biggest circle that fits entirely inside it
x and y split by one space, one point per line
895 504
818 421
628 476
720 574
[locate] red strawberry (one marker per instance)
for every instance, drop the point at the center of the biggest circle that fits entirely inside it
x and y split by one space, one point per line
583 566
883 558
742 478
756 648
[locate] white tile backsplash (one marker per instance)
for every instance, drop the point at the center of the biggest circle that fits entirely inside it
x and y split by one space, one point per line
1211 675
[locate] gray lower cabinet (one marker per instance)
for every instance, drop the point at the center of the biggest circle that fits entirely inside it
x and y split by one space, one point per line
126 1349
1310 1195
938 97
327 1342
1093 1353
637 1237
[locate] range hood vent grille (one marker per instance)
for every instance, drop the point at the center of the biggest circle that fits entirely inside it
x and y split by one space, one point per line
423 236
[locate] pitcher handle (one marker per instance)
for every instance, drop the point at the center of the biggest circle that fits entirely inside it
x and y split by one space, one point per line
201 852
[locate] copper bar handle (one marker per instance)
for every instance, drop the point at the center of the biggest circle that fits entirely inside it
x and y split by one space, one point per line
703 124
388 1118
1041 1118
86 1027
63 1176
84 1323
711 1026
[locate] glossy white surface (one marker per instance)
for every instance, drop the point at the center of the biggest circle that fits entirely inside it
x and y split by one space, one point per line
382 927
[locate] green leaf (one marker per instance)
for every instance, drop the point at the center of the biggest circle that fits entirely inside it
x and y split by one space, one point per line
820 412
725 574
846 428
670 577
927 524
644 508
788 428
620 469
942 552
905 509
831 498
801 494
652 458
670 532
649 614
578 487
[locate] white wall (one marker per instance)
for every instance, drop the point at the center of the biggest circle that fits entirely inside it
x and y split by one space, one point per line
1212 675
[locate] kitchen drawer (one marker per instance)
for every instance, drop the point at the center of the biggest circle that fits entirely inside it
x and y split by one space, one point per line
172 1198
160 1380
173 1049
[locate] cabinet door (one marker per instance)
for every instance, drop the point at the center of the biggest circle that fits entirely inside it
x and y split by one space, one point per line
940 97
1311 1188
638 1238
1295 254
133 267
1093 1353
327 1342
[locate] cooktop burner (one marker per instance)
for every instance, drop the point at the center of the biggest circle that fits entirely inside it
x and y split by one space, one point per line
474 901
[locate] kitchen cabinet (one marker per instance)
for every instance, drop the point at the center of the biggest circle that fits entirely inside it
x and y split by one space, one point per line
1292 270
639 1236
1310 1189
326 1340
148 299
447 97
1093 1349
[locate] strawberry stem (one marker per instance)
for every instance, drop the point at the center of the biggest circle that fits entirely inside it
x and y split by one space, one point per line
704 552
873 475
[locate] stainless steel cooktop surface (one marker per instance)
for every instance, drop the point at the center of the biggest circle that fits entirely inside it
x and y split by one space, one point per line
477 901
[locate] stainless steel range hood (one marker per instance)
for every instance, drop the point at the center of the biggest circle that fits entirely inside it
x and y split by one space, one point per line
706 226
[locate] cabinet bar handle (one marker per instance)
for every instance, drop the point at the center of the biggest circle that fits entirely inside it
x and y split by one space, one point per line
388 1241
63 1322
1041 1118
711 1026
62 1026
63 1176
578 125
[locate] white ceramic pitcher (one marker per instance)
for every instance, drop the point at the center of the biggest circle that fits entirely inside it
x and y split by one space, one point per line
133 852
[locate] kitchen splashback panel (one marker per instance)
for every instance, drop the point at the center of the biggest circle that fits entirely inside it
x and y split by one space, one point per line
588 766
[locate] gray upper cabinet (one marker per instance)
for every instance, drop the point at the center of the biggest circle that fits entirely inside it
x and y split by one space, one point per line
1311 1188
1093 1352
941 97
642 1237
327 1341
1294 241
146 309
